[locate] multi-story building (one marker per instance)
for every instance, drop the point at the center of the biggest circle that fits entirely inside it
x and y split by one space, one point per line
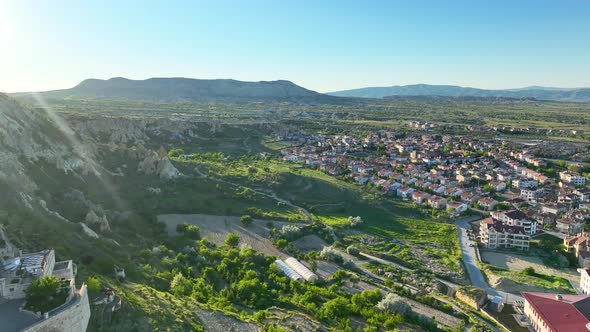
585 280
557 313
531 194
516 218
572 178
495 234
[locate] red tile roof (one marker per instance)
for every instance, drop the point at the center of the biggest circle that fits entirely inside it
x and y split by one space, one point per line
568 314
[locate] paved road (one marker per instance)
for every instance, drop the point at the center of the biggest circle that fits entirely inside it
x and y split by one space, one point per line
470 260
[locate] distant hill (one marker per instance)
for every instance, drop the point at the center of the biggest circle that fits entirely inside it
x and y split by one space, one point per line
539 93
194 90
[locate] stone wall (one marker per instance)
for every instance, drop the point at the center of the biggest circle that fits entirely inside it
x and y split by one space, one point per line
71 317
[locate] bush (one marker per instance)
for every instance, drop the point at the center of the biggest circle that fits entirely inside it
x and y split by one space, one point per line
45 294
232 240
93 285
246 219
330 254
529 271
354 221
352 250
192 231
290 231
175 153
394 304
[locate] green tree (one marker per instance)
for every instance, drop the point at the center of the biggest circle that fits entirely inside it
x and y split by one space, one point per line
93 284
246 219
45 294
232 240
180 285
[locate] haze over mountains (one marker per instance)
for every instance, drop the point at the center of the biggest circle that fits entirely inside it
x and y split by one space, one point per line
239 92
540 93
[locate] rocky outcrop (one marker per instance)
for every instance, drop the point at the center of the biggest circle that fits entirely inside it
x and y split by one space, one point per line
158 163
93 219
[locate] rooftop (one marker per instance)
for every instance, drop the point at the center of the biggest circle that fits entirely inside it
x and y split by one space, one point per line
562 313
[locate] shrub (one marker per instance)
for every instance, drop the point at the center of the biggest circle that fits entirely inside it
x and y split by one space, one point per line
354 221
394 304
290 231
352 250
232 240
246 219
93 284
529 271
45 294
330 254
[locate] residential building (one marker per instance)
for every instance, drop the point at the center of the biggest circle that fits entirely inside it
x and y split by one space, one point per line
569 225
557 313
495 234
579 245
585 280
531 194
487 203
517 218
437 202
572 178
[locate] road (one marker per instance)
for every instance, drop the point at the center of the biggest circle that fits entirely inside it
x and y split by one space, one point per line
470 260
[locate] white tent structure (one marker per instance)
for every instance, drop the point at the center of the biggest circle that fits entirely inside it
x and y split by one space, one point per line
287 270
301 269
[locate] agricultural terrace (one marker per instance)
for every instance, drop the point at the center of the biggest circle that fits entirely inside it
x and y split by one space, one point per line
392 228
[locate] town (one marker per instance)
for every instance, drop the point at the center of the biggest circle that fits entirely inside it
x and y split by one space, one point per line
508 191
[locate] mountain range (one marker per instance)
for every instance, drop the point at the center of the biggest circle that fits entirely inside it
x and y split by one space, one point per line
193 90
231 91
539 93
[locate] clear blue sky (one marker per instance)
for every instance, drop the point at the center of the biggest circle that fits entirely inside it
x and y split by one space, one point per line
322 45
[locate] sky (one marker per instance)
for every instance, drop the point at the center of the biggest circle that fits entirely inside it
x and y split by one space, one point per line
323 45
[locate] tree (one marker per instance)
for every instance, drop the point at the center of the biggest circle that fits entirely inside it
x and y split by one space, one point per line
394 304
45 294
529 271
246 219
93 284
232 240
352 250
192 231
180 285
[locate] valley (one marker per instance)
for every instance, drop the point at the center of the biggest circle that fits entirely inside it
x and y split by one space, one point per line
116 182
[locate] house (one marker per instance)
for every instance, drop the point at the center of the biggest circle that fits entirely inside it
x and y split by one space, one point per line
553 208
463 177
420 196
579 245
523 183
495 234
583 193
437 202
531 194
405 192
497 185
456 207
569 225
487 203
557 313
